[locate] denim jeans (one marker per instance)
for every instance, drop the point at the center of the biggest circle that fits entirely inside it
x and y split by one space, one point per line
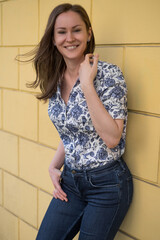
98 200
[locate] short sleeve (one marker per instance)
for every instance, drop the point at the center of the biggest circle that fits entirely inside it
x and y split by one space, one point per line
114 92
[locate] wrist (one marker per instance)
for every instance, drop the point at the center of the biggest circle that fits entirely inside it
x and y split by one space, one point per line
87 86
51 169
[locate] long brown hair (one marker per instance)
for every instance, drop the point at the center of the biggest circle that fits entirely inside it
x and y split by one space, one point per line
48 62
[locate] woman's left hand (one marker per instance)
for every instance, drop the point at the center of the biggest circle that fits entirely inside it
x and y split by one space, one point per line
88 70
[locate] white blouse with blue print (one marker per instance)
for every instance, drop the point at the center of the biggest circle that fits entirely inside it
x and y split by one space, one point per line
84 149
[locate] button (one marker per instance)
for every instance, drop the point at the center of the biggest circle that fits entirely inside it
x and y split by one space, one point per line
73 171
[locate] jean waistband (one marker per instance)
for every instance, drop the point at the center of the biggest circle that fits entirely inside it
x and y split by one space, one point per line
108 166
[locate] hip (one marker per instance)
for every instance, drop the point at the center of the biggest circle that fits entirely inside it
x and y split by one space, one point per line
108 184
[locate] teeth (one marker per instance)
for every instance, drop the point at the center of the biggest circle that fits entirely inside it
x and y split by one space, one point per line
71 47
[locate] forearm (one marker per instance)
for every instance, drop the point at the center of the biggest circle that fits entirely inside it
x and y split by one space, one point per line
106 127
109 129
58 159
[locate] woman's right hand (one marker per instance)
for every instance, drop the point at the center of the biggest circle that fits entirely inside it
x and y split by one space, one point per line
55 175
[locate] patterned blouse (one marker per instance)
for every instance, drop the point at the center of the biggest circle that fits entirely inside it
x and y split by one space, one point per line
84 149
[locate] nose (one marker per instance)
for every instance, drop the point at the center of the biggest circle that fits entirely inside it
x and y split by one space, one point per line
69 37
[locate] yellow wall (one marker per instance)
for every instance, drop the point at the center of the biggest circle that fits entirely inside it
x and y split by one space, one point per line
127 34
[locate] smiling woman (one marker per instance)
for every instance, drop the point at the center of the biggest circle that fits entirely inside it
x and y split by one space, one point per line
88 106
71 36
48 61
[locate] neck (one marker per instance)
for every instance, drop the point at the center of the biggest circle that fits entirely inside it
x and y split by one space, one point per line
72 69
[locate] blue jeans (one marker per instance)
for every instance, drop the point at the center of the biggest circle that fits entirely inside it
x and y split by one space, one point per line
98 200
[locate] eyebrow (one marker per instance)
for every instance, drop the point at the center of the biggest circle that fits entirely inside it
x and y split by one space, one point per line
72 27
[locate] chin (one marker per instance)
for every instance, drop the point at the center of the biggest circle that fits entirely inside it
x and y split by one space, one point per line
74 56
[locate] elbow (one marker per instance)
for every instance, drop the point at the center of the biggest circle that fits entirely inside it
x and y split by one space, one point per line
112 143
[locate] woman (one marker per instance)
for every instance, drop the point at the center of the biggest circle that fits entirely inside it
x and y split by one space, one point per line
87 104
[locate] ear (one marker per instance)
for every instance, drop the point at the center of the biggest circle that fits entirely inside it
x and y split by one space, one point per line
89 34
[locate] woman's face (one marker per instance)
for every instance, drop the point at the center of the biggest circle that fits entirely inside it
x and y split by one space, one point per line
71 36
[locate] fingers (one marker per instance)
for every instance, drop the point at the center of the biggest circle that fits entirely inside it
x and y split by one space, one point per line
95 59
59 193
59 189
55 175
89 57
92 58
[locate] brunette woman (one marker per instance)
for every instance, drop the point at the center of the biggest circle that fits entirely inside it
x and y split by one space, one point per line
88 106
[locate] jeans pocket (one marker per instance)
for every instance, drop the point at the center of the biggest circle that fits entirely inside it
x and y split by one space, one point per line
104 180
102 184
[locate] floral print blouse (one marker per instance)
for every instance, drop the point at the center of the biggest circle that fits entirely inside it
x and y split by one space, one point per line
84 149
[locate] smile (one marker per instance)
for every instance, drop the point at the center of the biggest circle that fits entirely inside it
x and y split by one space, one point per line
71 47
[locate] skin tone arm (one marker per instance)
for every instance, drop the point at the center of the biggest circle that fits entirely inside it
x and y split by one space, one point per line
55 173
109 129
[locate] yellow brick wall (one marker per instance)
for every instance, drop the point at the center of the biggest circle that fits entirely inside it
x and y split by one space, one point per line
127 34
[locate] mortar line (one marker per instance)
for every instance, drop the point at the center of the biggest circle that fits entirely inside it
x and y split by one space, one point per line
37 121
29 224
2 108
155 184
37 207
18 156
19 218
26 181
18 70
127 234
19 178
2 24
123 61
158 172
20 46
156 115
21 90
30 140
128 44
2 188
18 228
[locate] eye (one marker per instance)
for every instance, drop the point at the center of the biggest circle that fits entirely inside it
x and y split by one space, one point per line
77 30
61 32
